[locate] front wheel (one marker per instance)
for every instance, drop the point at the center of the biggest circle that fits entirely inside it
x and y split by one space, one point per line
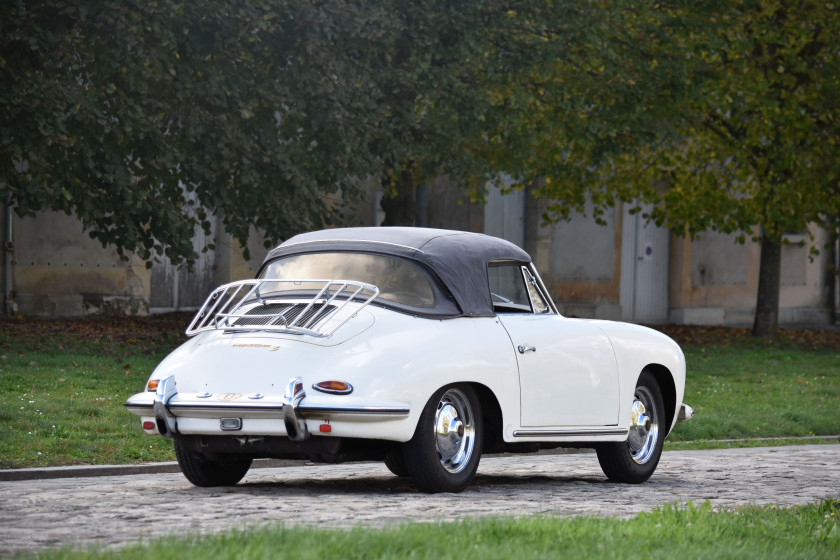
444 453
224 470
635 460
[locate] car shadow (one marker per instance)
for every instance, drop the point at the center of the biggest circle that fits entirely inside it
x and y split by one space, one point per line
393 484
534 480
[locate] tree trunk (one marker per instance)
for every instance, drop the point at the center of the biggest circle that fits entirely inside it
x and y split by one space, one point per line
769 283
832 272
400 206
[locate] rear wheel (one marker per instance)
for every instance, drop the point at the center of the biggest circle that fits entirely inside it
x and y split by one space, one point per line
444 453
395 462
635 460
221 470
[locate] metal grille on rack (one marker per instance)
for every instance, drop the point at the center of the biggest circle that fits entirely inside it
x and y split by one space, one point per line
272 313
251 305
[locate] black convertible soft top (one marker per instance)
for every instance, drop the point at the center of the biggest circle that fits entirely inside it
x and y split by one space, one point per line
458 258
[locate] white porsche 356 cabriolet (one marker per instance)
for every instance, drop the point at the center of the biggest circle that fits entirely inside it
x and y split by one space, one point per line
423 348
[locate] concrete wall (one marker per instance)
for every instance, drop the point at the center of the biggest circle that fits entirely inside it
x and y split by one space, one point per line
579 260
230 264
59 270
714 280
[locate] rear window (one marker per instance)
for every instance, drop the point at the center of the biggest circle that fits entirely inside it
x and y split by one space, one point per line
398 280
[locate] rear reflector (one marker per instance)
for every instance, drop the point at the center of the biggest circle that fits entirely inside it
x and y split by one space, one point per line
325 428
148 425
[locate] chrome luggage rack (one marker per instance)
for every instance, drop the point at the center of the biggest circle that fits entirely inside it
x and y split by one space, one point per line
278 306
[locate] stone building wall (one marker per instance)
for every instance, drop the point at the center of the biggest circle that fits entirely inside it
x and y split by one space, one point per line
591 270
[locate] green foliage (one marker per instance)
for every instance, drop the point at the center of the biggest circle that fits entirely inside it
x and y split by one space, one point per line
141 118
759 145
691 531
718 115
596 82
145 118
721 116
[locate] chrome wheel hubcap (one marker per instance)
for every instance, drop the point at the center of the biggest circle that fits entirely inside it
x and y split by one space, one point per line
454 431
644 427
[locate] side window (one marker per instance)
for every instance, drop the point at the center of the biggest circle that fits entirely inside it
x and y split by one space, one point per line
514 290
538 303
507 288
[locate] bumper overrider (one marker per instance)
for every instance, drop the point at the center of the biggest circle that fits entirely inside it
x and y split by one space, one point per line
167 406
685 414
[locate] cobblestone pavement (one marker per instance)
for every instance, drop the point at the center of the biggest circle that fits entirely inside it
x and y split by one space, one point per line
115 510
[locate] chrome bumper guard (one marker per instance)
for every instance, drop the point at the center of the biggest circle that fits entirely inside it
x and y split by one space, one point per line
167 424
295 425
686 413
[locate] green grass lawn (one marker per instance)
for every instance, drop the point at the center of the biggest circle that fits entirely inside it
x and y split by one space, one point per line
66 408
750 391
811 532
63 384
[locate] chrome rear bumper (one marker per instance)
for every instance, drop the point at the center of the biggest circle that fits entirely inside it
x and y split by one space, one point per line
166 406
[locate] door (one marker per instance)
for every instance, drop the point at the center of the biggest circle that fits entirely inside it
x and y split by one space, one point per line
570 377
644 270
567 370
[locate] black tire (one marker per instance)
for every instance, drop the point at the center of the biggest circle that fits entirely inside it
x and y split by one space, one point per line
222 470
634 460
444 453
395 462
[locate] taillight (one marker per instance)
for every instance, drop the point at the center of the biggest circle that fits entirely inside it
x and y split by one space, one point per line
335 387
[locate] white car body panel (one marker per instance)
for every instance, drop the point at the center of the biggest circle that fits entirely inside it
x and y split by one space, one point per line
580 401
571 378
431 354
637 348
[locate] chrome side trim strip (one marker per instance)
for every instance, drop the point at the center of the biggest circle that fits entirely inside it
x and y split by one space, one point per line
567 433
276 411
215 411
372 410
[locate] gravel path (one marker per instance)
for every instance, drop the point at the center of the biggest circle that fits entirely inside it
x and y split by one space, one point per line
114 510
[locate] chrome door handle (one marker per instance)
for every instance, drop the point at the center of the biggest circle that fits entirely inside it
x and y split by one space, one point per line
526 348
